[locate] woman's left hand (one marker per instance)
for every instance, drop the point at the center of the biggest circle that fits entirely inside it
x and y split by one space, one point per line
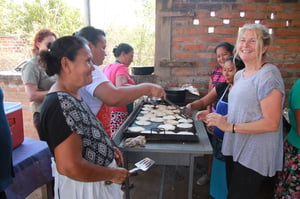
215 119
119 157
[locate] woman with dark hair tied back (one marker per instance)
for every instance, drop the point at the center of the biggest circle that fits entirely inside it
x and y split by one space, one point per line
218 185
117 73
84 156
101 90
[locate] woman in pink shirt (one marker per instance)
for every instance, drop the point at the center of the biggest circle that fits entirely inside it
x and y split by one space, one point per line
117 73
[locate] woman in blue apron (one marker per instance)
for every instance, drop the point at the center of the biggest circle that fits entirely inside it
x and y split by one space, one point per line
218 185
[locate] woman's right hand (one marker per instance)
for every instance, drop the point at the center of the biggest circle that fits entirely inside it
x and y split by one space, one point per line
201 115
119 175
189 106
155 90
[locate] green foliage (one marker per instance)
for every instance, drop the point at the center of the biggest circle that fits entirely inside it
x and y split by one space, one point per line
25 19
29 17
141 37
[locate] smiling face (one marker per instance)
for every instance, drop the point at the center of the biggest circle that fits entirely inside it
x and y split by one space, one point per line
250 47
229 71
222 55
247 46
81 68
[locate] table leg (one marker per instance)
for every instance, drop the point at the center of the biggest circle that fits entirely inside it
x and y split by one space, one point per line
162 183
191 178
127 194
50 191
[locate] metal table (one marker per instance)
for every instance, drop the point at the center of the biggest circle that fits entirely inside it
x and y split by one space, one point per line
167 153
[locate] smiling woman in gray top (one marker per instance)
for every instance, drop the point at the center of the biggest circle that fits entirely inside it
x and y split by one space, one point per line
253 129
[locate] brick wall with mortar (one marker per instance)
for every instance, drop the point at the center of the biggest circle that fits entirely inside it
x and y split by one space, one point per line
189 43
13 50
14 91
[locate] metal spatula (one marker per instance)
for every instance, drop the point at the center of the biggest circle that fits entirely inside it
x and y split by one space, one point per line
143 165
184 111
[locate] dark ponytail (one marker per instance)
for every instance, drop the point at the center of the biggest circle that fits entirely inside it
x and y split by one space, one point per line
123 47
67 46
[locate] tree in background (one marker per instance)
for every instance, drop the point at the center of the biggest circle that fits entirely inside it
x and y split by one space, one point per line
22 21
141 37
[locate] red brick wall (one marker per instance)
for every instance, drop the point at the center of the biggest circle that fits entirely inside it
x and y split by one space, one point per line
192 43
14 91
13 50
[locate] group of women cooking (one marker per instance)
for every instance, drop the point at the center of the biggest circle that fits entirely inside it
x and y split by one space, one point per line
86 163
248 141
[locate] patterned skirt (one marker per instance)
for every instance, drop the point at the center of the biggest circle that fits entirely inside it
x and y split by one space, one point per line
117 119
288 180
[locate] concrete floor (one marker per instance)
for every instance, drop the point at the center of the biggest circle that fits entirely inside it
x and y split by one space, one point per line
175 187
147 184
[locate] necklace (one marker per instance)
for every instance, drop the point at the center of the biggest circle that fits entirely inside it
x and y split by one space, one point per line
262 65
248 73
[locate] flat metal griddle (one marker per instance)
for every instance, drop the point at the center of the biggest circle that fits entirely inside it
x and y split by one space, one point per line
160 135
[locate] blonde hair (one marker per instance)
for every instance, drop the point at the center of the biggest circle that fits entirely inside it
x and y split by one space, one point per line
262 36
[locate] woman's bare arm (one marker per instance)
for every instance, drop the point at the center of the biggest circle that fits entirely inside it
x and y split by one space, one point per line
202 103
69 162
34 94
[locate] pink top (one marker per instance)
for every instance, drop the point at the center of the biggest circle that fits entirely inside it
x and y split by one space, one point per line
216 77
112 71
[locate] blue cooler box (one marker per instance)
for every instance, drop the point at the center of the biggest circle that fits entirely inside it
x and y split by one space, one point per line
13 111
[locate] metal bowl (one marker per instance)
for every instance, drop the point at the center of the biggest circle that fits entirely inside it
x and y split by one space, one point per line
176 94
142 70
